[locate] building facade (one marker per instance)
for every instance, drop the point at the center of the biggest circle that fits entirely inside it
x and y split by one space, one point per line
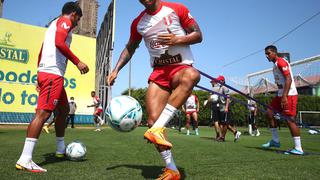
87 26
1 5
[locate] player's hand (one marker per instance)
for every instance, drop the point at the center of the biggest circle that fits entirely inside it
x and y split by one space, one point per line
83 68
111 78
284 102
168 39
226 110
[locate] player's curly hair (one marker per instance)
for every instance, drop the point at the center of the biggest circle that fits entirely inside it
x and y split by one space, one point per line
71 7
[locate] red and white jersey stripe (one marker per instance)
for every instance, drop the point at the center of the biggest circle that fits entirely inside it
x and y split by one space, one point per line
55 48
169 18
281 69
97 102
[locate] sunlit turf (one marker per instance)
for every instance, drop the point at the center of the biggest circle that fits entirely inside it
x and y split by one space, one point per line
115 155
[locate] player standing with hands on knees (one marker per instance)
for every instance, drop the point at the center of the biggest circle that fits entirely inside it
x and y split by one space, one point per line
52 65
284 103
168 30
191 109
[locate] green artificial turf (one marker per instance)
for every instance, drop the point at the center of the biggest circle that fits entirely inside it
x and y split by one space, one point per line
114 155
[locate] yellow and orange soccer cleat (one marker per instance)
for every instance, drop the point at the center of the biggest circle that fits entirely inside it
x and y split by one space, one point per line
169 174
157 136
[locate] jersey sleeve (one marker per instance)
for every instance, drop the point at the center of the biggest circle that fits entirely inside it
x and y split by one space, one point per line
134 34
196 98
283 67
185 17
64 26
226 91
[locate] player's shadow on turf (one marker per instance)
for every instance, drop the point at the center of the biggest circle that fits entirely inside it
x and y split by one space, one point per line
148 172
50 158
281 151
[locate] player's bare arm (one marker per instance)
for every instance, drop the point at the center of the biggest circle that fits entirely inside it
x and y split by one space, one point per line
198 105
284 99
227 104
193 36
124 58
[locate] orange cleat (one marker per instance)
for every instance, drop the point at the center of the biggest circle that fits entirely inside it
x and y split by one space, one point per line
169 174
156 136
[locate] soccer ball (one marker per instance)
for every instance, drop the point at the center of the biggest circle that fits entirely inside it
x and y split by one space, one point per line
214 98
124 113
76 151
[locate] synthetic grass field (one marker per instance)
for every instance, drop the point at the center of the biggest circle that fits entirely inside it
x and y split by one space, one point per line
114 155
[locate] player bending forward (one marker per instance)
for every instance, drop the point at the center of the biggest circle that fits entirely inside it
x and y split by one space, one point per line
168 30
52 96
191 109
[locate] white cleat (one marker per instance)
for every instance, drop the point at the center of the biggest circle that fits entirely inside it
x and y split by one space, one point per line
258 133
237 136
30 166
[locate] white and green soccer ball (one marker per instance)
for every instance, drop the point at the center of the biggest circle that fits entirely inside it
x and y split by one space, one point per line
76 151
124 113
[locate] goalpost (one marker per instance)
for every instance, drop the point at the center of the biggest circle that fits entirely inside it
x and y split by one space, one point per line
306 72
309 118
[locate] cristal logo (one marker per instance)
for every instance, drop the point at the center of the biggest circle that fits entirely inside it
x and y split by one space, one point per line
154 44
8 52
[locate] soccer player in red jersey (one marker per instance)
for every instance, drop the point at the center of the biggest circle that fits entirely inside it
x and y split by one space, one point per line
168 30
96 103
191 108
284 103
52 64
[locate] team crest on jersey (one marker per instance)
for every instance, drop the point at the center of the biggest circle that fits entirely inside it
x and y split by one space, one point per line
167 20
65 26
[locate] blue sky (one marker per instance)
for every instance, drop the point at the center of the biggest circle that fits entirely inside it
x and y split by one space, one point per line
231 29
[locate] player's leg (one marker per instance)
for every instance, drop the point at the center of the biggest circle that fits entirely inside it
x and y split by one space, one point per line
274 142
156 100
254 127
96 120
217 128
188 118
50 90
294 129
72 120
223 126
215 118
250 126
68 120
195 119
51 121
235 132
62 111
182 83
